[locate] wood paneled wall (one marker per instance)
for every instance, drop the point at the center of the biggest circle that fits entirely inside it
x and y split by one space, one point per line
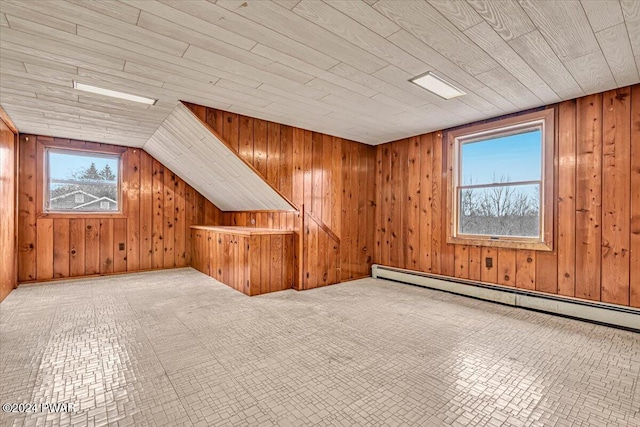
8 153
154 228
332 178
597 208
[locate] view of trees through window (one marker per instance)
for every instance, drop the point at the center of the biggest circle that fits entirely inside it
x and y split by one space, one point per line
499 192
82 182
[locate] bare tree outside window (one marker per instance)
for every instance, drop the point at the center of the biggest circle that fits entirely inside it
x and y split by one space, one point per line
501 210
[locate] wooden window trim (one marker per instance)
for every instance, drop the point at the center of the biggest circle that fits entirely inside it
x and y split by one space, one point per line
545 241
43 143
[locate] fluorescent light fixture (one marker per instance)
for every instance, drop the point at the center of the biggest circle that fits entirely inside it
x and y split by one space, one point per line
437 85
113 93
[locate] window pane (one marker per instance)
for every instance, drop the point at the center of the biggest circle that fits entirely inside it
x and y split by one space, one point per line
82 183
503 159
504 210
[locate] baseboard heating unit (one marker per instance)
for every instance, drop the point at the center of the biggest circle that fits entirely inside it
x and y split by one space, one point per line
610 314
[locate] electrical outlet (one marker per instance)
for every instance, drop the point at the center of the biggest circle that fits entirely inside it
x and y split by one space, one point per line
488 262
121 246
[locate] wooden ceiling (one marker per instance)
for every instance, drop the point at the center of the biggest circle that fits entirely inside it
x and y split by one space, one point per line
338 67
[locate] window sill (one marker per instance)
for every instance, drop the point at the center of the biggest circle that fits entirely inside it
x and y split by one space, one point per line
88 215
505 243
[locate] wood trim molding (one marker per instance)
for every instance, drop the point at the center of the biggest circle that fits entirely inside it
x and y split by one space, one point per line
324 227
7 121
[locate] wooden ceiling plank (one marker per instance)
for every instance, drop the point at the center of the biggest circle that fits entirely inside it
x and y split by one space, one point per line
602 13
536 52
352 31
366 15
108 25
512 89
564 25
283 58
591 72
507 18
485 37
615 45
428 25
297 28
19 11
459 13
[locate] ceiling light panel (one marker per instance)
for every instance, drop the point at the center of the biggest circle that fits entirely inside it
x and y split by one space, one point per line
113 93
437 85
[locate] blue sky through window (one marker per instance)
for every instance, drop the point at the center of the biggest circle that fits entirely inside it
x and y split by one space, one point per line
64 165
517 156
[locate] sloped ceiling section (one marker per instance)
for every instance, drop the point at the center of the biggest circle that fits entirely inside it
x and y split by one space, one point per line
193 151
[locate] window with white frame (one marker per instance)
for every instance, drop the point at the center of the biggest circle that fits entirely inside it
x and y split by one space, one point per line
502 182
80 181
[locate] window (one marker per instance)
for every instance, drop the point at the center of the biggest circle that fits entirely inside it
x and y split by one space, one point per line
502 183
81 181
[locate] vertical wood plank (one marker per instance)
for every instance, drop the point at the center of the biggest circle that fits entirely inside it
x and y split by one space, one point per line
180 238
230 130
317 175
616 181
27 265
588 197
76 247
385 215
507 267
92 246
245 139
437 208
276 254
106 245
260 146
132 193
312 259
44 255
634 242
265 264
157 260
426 144
489 274
273 154
286 161
566 221
461 255
525 269
120 256
475 262
254 265
297 195
190 219
60 247
146 211
336 186
347 197
327 180
169 217
412 213
394 205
